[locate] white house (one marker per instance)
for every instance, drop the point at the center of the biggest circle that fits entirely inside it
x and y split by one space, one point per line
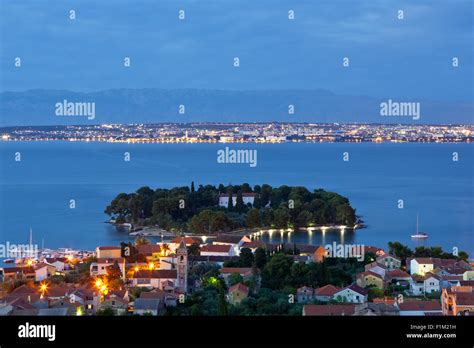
421 265
248 198
390 262
468 275
158 279
86 297
100 267
235 241
376 268
426 284
44 271
108 252
60 263
431 283
352 293
217 250
146 306
325 293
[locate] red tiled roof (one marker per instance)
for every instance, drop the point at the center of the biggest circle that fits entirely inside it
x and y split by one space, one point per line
216 248
156 274
338 310
157 293
419 306
387 255
374 264
240 270
239 287
398 273
108 248
42 265
148 248
367 273
55 259
7 270
187 240
327 290
357 289
58 291
23 289
386 300
465 298
374 250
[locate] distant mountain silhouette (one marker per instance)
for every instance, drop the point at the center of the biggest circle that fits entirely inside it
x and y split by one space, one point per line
37 107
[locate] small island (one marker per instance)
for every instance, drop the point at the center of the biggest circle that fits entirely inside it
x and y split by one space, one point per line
210 210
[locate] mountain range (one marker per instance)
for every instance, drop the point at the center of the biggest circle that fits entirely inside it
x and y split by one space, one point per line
37 107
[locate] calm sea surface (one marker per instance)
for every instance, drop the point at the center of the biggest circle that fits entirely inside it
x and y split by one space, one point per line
35 192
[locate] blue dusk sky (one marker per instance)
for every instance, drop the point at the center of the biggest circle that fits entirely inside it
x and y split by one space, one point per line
410 58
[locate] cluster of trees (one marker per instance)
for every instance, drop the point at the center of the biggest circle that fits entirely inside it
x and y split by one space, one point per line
404 252
182 208
279 277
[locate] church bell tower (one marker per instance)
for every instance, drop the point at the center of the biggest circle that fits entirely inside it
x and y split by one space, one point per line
182 265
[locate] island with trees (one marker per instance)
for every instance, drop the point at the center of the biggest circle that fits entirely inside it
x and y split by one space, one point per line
197 210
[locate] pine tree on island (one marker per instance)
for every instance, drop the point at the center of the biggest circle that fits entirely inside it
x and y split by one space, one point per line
239 203
230 204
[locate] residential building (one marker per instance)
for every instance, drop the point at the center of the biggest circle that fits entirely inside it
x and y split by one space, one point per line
390 262
152 252
352 294
100 267
245 272
238 293
146 306
325 293
108 252
217 250
158 279
44 271
419 308
370 279
458 300
248 198
304 294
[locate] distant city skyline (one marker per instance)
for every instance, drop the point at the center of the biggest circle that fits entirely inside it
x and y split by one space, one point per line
388 57
272 132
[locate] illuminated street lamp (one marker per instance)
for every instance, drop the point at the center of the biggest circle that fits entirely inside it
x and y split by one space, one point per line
43 288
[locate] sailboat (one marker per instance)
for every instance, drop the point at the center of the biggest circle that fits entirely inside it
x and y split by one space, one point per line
418 234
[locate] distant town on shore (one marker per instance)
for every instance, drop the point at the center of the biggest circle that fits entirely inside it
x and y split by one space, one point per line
267 132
